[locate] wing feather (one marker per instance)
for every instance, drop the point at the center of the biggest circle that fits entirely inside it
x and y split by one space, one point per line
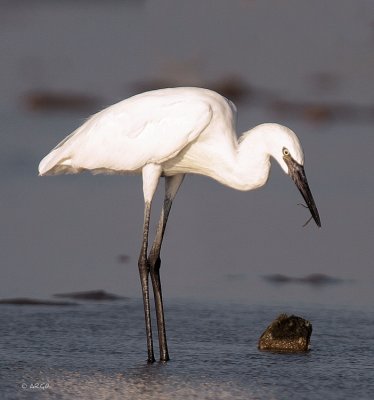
129 135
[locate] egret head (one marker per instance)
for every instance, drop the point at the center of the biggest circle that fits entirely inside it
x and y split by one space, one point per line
285 147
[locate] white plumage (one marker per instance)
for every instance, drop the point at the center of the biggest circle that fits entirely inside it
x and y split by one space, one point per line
171 132
150 127
182 129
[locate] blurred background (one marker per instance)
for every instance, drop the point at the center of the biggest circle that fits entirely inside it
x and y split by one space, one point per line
308 65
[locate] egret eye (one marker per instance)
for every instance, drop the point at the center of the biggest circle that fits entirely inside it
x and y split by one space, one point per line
285 152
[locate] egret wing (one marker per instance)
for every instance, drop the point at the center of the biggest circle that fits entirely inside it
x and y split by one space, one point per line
129 135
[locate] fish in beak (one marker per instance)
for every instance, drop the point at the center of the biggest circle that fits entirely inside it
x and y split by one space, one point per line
297 173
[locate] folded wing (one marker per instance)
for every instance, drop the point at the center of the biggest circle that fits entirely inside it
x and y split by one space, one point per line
129 135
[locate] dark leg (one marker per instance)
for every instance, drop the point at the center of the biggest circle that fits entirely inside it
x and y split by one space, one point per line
155 264
144 274
172 185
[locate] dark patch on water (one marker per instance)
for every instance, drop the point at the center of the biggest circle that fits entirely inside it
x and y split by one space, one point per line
25 301
91 295
312 279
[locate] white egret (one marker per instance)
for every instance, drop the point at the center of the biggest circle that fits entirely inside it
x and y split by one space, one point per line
168 133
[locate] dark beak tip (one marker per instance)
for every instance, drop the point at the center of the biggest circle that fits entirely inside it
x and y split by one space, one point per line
316 218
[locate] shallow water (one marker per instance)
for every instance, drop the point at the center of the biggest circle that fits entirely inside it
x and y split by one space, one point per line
98 351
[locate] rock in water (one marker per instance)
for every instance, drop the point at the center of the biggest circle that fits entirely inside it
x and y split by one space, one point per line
286 333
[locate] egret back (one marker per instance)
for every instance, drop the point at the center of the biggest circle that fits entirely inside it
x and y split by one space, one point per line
148 128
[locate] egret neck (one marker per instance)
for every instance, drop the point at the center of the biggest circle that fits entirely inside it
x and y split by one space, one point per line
247 166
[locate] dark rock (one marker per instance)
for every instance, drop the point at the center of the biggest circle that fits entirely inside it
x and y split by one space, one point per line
92 295
24 301
287 334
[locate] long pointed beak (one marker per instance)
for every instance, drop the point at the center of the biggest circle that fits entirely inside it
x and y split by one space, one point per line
297 173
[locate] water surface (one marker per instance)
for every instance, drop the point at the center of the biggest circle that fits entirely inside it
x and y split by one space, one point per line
98 351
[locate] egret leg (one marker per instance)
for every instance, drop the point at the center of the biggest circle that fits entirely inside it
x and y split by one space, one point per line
151 174
155 264
144 274
171 187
